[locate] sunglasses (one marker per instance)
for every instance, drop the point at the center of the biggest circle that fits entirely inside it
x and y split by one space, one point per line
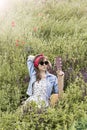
44 62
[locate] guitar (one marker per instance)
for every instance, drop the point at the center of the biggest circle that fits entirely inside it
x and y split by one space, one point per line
60 75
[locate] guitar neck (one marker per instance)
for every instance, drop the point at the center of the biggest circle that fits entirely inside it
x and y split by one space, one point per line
59 63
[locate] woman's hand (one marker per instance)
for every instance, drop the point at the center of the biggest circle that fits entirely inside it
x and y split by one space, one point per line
31 57
53 99
60 73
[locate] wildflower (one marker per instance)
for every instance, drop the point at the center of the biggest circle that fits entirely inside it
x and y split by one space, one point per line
17 41
23 42
13 24
17 44
40 14
35 29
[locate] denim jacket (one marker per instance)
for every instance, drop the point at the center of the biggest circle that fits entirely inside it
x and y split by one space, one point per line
52 81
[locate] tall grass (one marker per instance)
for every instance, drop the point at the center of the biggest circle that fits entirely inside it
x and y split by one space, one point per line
55 28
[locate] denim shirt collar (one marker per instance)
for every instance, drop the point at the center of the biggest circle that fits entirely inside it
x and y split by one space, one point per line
47 74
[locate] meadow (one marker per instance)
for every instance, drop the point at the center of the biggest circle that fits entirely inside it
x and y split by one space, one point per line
54 28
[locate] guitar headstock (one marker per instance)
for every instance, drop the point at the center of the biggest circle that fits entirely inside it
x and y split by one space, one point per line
58 63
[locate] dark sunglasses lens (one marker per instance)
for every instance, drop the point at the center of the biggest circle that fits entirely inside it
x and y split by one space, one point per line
46 62
41 63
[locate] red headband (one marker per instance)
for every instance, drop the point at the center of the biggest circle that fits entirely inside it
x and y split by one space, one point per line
36 61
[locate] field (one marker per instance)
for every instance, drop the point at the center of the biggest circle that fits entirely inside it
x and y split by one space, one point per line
54 28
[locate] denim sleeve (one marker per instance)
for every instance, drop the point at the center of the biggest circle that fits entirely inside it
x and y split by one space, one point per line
30 66
55 90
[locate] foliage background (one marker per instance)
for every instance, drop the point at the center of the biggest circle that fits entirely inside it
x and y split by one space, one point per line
55 28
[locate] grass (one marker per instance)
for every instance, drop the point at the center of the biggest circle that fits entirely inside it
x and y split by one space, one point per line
55 28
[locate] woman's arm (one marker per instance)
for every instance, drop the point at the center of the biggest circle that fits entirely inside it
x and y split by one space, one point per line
54 96
60 75
55 86
30 65
32 73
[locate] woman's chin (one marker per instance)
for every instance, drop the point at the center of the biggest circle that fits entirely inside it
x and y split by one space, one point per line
44 69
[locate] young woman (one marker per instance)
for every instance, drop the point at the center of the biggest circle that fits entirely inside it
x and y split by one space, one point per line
42 84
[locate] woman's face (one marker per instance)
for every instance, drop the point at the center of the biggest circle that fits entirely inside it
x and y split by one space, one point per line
43 64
